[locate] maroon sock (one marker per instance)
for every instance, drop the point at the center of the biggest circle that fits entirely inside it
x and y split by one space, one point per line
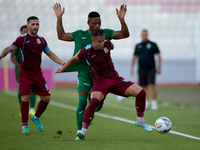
140 103
24 108
89 113
41 108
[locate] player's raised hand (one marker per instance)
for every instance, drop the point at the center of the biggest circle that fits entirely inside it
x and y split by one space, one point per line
58 70
58 10
121 13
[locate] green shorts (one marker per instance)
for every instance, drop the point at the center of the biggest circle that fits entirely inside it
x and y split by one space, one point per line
85 81
16 75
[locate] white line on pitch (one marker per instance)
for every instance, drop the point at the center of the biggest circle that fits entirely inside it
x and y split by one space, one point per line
54 103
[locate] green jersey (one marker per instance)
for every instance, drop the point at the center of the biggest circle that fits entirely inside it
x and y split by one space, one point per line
17 56
82 39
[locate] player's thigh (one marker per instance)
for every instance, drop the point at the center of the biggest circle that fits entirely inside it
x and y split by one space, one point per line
40 86
84 83
142 76
25 85
121 86
151 76
102 85
133 90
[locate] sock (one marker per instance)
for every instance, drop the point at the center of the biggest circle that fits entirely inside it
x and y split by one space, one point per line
24 107
140 103
100 105
81 110
41 108
19 98
89 113
32 100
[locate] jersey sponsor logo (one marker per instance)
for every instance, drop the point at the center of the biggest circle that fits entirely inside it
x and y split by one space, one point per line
105 50
149 46
84 38
139 46
93 56
38 41
27 41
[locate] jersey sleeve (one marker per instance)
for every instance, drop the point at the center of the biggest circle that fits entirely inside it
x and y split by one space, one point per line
75 34
108 42
156 49
18 42
108 33
46 47
135 51
83 53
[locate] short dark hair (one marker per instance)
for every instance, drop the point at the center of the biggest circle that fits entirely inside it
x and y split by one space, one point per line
97 32
22 27
144 30
93 14
32 18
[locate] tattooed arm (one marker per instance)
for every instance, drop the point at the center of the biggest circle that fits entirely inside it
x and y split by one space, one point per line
7 50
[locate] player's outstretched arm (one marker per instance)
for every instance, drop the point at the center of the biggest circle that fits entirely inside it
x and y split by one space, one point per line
69 63
54 57
60 30
12 58
124 32
7 50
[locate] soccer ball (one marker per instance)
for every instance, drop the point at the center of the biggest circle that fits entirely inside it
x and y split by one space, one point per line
163 125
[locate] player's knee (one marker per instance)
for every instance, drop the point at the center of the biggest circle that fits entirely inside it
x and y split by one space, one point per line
25 98
142 94
45 98
83 100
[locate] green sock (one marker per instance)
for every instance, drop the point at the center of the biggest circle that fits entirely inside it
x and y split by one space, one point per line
19 98
32 100
98 107
81 110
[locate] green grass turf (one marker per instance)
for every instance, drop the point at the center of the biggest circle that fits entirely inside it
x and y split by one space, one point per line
105 133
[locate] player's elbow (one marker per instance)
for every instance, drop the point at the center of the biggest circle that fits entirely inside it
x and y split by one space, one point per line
126 35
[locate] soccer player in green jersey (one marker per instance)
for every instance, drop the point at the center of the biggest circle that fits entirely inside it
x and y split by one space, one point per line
15 58
81 39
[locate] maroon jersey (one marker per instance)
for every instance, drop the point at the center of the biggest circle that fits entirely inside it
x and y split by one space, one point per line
31 52
99 61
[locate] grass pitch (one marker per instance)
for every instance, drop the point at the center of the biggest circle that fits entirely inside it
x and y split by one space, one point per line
180 104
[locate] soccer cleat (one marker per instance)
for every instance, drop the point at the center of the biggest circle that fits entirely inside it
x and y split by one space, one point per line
144 126
92 121
25 130
31 112
77 139
154 105
81 134
37 122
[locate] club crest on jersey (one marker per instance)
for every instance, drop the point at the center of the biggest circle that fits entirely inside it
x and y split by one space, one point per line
105 50
38 41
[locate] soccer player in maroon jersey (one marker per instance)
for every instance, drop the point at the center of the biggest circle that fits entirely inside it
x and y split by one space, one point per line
30 77
106 79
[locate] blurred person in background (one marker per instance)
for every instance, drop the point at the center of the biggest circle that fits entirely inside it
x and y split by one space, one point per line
147 68
15 58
